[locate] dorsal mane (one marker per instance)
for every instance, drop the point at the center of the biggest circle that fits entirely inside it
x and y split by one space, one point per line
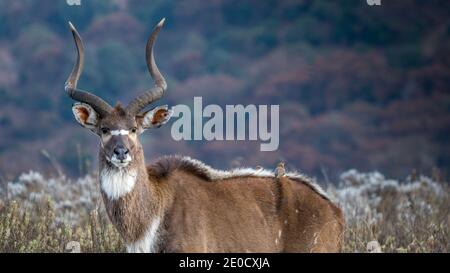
166 165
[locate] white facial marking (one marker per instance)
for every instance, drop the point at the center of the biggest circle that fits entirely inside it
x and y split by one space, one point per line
149 241
120 132
116 183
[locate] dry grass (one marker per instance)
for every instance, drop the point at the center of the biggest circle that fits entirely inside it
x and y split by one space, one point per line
37 231
44 215
39 214
413 216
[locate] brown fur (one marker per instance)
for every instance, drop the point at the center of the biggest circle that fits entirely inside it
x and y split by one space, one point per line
239 214
199 214
83 114
204 212
246 214
159 115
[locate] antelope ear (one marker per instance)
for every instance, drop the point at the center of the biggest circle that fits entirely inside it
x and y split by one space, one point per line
86 115
154 118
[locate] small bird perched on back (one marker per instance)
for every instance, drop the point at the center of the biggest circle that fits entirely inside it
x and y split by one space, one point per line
280 171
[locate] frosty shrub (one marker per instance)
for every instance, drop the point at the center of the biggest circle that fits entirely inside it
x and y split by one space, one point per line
72 199
39 214
408 216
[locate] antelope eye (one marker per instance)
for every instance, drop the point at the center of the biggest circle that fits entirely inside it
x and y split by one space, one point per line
105 130
133 130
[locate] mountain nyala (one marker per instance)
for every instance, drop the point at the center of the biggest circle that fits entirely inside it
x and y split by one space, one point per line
179 204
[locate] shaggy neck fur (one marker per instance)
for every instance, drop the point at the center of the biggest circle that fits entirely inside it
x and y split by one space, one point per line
133 202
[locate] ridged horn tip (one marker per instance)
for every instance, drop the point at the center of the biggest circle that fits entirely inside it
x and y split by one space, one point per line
72 28
161 23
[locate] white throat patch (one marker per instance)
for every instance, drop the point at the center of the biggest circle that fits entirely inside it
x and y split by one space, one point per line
149 242
117 182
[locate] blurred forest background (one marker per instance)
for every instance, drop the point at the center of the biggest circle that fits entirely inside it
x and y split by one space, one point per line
358 86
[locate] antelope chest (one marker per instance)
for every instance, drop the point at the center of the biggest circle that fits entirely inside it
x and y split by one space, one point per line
115 184
149 242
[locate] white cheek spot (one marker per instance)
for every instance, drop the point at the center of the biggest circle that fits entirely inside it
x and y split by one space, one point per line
116 183
120 132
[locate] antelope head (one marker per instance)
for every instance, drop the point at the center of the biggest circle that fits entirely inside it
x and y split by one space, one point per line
118 127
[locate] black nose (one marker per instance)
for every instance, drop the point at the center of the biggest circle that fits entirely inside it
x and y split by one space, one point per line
121 152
